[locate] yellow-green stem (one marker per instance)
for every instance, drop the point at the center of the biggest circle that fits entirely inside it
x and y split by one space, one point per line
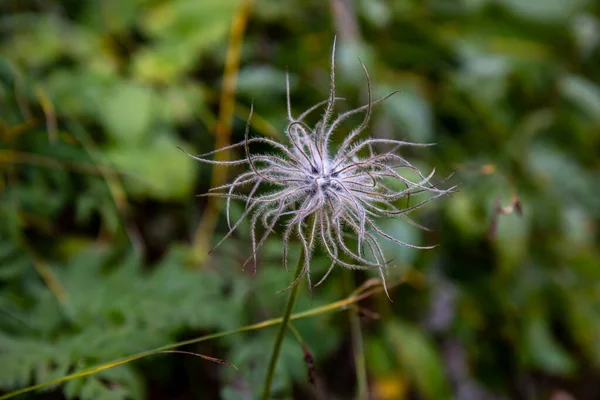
282 328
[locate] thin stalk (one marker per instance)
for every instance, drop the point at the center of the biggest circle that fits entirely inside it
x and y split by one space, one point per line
362 385
208 220
282 329
358 350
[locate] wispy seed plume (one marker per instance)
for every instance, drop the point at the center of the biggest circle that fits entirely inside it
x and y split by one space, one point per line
325 196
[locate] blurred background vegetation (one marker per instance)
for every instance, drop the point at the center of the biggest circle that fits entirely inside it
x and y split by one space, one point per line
103 242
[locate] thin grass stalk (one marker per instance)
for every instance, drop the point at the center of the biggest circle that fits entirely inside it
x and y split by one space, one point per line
358 349
289 307
208 221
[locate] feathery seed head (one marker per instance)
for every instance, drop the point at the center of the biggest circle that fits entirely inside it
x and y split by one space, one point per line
322 195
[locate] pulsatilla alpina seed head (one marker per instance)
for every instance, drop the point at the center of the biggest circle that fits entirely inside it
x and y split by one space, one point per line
324 196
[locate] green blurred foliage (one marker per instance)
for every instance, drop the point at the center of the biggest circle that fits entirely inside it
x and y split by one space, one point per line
97 204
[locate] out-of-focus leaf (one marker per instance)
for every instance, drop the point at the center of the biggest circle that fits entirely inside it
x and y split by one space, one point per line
419 359
586 29
545 10
275 10
541 350
158 169
512 237
13 260
182 30
584 93
78 93
36 44
475 5
264 80
163 63
483 74
462 212
565 178
403 231
348 57
179 19
127 113
578 227
379 360
583 317
376 11
411 112
180 104
114 16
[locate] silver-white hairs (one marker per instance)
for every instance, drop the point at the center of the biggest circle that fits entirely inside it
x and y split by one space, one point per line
325 196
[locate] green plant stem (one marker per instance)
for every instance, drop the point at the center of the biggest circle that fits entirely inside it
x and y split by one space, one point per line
282 329
362 386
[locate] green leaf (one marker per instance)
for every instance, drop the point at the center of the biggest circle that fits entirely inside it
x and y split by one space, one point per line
586 30
163 63
462 212
512 237
182 30
127 113
403 231
376 11
410 109
564 177
181 104
264 80
584 93
179 19
545 10
157 169
541 350
583 317
419 359
379 361
37 43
